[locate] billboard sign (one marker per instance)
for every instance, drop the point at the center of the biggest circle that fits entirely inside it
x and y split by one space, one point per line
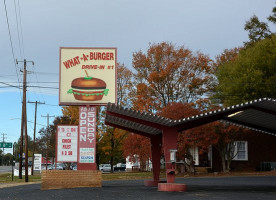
87 76
67 143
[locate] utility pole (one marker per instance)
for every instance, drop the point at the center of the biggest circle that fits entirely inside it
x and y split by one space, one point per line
36 102
24 125
47 138
3 134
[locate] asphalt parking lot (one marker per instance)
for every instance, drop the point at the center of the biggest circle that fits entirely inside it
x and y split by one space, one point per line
245 188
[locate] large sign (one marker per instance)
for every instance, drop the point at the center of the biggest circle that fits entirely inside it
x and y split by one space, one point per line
67 143
87 138
87 76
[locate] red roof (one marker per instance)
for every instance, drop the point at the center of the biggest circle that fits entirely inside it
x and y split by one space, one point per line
44 161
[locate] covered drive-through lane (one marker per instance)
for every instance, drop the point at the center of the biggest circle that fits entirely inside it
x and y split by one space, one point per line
258 115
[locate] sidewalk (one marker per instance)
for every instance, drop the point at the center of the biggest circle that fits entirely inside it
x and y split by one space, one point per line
13 184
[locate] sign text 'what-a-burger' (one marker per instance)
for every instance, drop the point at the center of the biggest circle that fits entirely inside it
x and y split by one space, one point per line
91 56
87 76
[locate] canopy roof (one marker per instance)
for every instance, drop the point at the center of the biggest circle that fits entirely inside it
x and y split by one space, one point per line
258 115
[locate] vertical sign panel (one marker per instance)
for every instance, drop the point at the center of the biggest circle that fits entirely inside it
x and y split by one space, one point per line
87 138
67 143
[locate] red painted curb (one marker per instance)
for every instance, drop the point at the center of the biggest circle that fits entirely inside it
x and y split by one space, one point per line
172 187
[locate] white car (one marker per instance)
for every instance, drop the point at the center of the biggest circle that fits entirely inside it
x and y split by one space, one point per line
105 168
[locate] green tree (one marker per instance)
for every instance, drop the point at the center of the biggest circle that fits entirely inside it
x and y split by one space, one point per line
8 158
17 147
46 142
251 75
257 30
272 17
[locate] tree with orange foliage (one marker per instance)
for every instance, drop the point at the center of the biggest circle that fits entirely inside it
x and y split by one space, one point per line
167 73
72 113
136 146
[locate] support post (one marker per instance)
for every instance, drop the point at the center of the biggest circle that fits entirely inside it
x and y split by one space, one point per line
170 143
34 144
156 147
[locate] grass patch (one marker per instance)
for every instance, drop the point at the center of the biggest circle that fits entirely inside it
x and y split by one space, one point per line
7 178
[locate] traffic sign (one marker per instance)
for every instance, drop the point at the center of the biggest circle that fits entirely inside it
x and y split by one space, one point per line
5 145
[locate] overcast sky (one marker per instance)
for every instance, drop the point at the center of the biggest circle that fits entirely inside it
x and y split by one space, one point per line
209 26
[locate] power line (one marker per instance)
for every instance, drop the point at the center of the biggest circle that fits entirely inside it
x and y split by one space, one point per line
19 43
34 82
32 86
45 87
45 73
14 60
9 85
9 30
20 22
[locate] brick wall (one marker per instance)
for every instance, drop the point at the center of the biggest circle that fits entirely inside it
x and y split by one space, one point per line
261 148
58 179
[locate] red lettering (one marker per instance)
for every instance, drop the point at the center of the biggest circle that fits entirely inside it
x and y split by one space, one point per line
111 56
101 56
84 57
66 140
66 64
76 60
72 62
66 146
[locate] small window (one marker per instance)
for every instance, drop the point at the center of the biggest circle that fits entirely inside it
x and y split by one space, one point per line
240 150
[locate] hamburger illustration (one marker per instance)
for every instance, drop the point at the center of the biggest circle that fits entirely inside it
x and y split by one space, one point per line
88 88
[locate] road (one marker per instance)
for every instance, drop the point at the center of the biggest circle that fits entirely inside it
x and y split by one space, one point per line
226 188
5 169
